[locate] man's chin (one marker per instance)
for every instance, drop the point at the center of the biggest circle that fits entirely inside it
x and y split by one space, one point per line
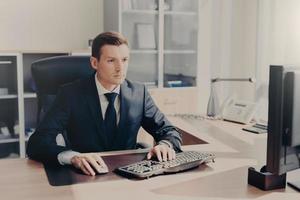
119 82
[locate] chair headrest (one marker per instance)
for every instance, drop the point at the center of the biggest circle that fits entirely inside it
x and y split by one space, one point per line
50 73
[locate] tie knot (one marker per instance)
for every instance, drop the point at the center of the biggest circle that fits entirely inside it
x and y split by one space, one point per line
111 97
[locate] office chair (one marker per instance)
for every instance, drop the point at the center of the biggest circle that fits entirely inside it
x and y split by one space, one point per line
50 73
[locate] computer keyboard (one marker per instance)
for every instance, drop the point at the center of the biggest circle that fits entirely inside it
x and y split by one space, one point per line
257 128
183 161
261 126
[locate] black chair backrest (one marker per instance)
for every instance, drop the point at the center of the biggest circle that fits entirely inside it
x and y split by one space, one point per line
50 73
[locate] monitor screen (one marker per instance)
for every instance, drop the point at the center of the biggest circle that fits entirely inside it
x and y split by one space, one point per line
283 146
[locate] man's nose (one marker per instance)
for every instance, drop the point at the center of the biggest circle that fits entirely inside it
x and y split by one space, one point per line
119 65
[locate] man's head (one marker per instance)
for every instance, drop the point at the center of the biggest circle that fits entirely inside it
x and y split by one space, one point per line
110 54
107 38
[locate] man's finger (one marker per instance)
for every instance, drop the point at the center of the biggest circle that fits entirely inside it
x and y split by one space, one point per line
150 154
164 153
88 167
174 154
91 160
169 154
100 160
158 154
76 162
84 170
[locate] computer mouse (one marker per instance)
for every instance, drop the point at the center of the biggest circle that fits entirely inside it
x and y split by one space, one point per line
103 170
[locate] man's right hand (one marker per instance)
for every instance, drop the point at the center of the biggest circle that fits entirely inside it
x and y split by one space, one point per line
89 163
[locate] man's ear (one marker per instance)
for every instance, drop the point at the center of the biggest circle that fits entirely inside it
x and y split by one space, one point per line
94 62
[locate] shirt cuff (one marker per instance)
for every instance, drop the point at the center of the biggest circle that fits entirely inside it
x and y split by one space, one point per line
64 158
166 142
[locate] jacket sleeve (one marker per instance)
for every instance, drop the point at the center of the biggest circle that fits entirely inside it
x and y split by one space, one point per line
155 123
42 143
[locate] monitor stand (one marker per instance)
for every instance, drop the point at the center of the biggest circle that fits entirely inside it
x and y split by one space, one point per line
293 179
294 184
265 180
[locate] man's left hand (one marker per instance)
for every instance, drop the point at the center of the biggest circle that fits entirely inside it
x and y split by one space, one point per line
162 152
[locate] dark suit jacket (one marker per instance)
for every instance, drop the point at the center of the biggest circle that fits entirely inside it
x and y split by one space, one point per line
77 110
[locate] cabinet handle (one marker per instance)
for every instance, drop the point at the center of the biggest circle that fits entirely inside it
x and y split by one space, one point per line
5 62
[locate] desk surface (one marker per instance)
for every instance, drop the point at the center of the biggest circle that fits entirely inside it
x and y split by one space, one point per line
236 150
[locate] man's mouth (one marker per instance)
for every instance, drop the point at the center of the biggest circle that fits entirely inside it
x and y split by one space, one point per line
117 75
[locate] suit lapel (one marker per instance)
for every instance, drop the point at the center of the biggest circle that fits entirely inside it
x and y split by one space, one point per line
95 108
125 94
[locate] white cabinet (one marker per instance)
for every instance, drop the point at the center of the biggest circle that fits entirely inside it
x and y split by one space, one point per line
10 107
18 103
163 37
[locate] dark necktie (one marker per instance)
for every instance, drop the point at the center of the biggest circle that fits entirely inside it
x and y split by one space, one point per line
110 119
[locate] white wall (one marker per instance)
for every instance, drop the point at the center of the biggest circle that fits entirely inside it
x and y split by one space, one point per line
49 25
242 38
280 37
278 42
233 46
227 47
204 53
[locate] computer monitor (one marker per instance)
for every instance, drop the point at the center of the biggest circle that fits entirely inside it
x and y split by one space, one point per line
283 144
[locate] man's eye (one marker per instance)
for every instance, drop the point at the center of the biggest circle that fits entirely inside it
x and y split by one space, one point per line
125 59
110 60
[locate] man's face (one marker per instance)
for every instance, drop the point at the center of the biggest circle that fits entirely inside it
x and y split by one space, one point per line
112 66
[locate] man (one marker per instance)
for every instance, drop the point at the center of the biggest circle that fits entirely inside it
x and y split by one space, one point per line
102 113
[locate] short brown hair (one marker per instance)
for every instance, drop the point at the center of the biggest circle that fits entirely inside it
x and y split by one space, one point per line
107 38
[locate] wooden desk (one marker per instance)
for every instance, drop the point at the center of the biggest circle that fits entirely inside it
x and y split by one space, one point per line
224 179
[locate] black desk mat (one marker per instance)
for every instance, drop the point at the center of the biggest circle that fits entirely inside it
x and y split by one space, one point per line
68 175
189 139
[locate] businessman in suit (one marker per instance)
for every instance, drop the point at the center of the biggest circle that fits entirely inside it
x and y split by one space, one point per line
102 113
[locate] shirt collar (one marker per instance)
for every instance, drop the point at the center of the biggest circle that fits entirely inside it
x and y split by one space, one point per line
101 90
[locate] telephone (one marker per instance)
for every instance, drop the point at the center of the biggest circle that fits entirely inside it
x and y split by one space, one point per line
238 111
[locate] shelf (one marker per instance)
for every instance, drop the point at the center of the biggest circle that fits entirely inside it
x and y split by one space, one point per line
5 62
179 51
155 12
81 52
9 140
9 53
9 96
180 13
136 11
30 95
151 84
136 51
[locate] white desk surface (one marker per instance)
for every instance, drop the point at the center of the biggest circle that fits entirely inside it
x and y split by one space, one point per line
236 150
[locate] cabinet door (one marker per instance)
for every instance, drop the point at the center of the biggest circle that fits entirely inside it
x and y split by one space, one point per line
9 116
180 42
140 25
163 36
